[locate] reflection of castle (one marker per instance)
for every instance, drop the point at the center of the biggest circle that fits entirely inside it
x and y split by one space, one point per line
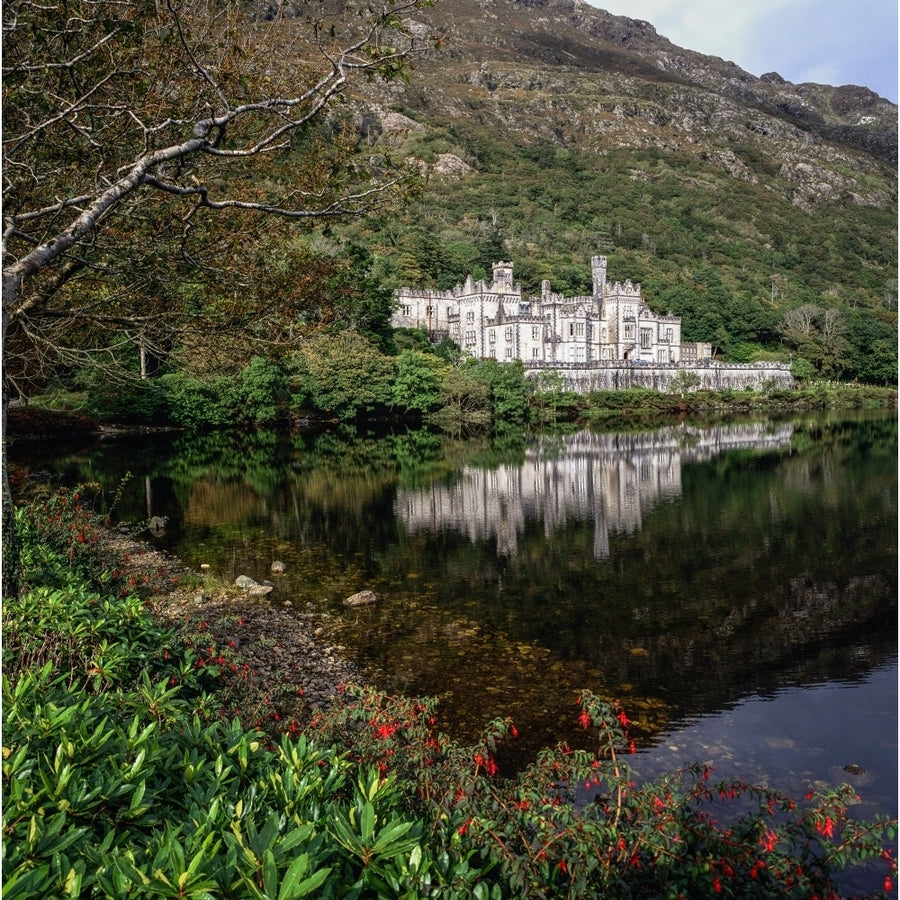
611 478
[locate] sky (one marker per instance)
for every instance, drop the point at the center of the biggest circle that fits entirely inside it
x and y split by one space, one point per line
824 41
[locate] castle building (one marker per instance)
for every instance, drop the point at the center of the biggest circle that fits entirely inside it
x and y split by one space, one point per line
495 321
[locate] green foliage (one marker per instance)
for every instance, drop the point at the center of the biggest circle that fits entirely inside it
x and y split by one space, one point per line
684 382
417 384
344 375
201 402
121 777
136 402
263 392
509 390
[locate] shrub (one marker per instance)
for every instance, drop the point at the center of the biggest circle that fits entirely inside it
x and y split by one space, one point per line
263 392
136 402
202 403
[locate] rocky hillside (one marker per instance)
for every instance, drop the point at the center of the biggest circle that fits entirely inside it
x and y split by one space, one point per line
566 72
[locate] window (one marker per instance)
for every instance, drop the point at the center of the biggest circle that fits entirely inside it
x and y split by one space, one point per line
535 352
407 310
470 337
629 332
579 329
535 333
429 310
646 337
492 353
509 352
571 329
663 356
668 335
492 336
509 334
470 317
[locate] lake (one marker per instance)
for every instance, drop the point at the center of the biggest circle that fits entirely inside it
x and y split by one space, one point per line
733 584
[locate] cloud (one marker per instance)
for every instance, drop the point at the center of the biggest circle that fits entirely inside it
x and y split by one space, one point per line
824 41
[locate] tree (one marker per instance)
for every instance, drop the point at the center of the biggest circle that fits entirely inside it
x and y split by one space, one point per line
345 375
144 141
684 382
128 124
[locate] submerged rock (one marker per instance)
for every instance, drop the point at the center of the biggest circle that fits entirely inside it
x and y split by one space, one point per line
363 598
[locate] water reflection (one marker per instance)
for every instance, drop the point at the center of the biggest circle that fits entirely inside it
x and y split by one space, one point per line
679 570
612 478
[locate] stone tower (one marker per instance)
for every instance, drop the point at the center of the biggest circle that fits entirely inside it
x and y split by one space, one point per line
598 271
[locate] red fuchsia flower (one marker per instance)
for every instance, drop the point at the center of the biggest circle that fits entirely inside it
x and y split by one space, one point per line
464 827
561 865
513 731
888 884
624 721
584 720
826 828
769 841
717 885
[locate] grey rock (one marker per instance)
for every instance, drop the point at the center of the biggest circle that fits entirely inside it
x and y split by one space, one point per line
259 590
362 598
278 567
244 582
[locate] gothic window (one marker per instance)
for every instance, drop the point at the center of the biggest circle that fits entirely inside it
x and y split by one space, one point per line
509 352
535 333
509 334
535 352
629 332
407 310
470 317
668 335
646 337
571 329
579 329
492 336
429 310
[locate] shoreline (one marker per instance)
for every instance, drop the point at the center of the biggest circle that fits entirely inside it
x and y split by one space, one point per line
294 663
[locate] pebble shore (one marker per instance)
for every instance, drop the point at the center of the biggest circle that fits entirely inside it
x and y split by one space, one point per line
286 649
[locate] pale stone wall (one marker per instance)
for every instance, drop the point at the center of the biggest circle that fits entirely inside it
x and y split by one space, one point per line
617 375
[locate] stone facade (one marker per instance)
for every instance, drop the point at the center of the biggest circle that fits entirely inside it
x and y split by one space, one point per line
607 340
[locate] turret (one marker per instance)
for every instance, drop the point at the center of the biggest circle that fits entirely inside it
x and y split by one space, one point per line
598 271
503 276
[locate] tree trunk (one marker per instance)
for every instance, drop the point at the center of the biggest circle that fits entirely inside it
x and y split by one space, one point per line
10 560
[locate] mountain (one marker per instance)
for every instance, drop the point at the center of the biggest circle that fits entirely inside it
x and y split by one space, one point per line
567 72
553 130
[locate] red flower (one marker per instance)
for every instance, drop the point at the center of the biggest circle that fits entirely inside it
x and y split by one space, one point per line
717 885
888 885
584 720
561 865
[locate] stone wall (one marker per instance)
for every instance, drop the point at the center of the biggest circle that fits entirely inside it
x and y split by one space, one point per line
619 375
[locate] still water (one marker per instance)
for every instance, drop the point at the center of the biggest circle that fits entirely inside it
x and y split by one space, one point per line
733 584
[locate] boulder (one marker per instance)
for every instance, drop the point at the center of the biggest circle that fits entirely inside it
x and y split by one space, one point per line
278 567
244 582
259 590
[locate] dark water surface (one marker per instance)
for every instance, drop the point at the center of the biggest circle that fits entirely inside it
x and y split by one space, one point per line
734 585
